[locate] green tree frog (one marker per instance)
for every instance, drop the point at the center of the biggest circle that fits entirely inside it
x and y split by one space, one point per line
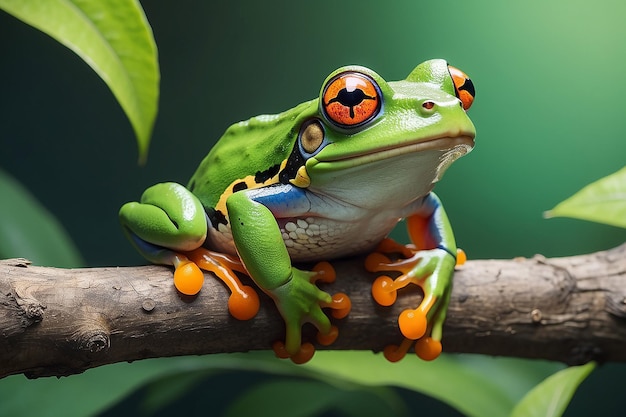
329 178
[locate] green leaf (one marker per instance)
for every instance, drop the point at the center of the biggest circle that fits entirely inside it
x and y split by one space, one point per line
377 401
603 201
457 380
285 398
28 230
81 395
170 388
515 376
471 391
551 397
302 398
98 389
466 388
115 39
474 389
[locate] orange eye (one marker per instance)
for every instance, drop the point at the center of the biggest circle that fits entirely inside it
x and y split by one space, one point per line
463 86
351 99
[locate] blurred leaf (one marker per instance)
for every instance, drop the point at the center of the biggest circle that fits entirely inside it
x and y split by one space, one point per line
170 388
28 230
303 398
603 201
98 389
471 388
285 398
465 387
471 391
380 401
458 381
84 394
551 397
115 39
516 376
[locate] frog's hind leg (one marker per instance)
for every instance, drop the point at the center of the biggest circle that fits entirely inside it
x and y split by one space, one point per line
340 306
428 263
243 302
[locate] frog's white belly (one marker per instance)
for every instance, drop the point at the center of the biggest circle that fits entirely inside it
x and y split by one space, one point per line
312 238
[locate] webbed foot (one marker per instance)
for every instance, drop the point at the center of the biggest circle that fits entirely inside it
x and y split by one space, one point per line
432 271
301 301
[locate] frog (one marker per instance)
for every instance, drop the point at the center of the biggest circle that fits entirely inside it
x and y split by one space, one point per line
327 179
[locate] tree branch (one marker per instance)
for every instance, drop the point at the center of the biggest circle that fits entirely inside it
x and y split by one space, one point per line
63 321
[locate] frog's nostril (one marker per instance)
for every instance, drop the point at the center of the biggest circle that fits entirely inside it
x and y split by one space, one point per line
428 108
428 105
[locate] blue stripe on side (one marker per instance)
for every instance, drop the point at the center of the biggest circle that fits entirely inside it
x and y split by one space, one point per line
283 200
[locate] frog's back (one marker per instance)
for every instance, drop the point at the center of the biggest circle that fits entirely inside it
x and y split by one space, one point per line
251 148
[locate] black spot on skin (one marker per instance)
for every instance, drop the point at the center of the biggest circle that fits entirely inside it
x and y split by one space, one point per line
262 176
239 186
216 218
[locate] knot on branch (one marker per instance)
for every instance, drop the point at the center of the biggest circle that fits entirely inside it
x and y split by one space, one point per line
32 311
92 335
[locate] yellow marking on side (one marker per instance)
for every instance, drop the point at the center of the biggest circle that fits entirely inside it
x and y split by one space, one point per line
250 183
302 179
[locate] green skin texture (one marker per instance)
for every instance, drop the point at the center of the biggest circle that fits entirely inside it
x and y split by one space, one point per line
265 141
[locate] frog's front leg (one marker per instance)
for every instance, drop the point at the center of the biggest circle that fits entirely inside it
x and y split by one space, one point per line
260 246
168 226
429 263
166 222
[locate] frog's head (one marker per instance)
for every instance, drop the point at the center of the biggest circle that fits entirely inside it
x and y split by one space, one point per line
393 137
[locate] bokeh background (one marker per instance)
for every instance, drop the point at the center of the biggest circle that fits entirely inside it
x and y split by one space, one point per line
550 112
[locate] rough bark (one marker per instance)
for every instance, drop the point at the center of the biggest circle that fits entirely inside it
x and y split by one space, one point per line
63 321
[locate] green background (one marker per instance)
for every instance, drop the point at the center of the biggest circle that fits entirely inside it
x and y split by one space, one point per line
549 112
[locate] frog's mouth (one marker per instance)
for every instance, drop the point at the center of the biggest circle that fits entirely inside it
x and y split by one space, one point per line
450 148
